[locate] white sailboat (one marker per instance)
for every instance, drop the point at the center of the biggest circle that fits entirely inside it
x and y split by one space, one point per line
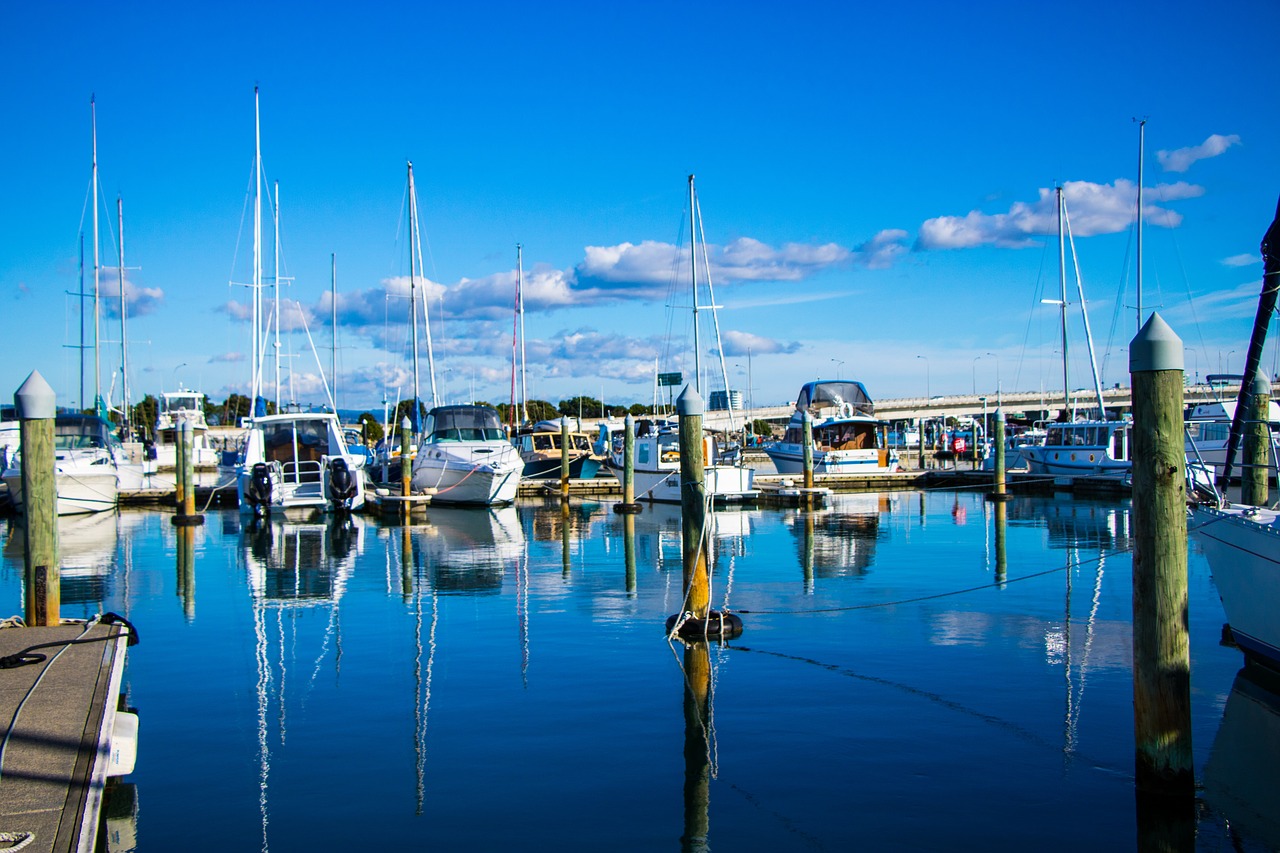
657 452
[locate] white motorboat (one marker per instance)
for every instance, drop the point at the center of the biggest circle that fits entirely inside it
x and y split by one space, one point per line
298 461
847 437
466 457
1242 545
656 468
1208 426
1082 449
87 460
178 408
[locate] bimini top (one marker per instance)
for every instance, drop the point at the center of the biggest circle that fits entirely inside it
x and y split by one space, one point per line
829 393
464 423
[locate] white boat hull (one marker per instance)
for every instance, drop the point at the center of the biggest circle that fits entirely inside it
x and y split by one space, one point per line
1242 545
453 480
789 459
725 484
1074 462
81 492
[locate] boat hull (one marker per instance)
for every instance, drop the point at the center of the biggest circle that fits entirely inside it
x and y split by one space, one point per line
581 468
452 482
78 493
789 459
724 483
1242 546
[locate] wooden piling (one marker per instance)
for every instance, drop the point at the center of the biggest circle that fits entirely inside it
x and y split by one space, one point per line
185 475
628 503
564 459
1161 648
406 467
179 471
807 442
998 487
37 408
1255 467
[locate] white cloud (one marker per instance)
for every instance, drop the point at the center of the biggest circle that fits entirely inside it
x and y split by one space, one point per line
1181 159
1091 209
1241 260
140 300
883 249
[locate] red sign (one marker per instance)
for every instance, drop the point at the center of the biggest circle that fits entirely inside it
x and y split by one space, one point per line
958 445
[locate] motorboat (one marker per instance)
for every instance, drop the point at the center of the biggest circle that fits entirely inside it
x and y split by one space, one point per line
540 449
465 457
298 461
87 465
178 408
1090 448
1208 426
1242 545
656 467
847 436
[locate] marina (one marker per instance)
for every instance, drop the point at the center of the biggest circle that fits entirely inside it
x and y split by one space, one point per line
901 649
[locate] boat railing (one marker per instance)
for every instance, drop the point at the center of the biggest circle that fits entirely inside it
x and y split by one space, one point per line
302 472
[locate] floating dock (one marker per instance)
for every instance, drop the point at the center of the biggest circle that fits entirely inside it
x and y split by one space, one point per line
61 716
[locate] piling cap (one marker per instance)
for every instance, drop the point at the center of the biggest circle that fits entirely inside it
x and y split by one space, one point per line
1155 347
1260 385
35 399
406 424
689 402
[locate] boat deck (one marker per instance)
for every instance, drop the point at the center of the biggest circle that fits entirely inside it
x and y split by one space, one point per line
59 715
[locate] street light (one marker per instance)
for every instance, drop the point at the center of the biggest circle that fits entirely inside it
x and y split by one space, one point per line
839 364
973 371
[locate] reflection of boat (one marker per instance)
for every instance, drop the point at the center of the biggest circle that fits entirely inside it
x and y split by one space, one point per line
1240 778
841 542
178 408
847 437
470 549
87 462
298 461
466 458
540 450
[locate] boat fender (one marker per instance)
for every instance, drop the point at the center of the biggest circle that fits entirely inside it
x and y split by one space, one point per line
259 491
342 485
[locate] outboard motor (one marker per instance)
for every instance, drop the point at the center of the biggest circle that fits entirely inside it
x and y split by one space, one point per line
259 491
342 484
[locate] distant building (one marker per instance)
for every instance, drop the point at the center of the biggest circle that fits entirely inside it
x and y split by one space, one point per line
719 403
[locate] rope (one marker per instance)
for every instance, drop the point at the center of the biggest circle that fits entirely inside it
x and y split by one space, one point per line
18 840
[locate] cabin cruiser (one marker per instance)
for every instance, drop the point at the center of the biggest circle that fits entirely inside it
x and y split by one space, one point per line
540 449
88 462
656 467
178 408
465 457
298 461
847 437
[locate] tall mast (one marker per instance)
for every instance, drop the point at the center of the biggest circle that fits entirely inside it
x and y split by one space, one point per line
124 316
1062 284
693 260
81 301
413 287
1142 127
97 367
257 251
333 304
524 388
275 291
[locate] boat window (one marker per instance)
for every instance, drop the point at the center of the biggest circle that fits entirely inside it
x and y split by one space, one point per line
542 442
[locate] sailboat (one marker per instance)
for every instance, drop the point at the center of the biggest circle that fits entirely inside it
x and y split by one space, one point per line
1095 448
464 455
657 445
295 460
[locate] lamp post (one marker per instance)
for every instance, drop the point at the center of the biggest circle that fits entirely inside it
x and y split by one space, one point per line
973 374
839 364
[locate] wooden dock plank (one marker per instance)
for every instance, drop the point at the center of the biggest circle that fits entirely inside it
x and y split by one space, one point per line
56 759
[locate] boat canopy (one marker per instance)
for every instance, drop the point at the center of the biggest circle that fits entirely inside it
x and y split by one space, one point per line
74 432
833 394
464 423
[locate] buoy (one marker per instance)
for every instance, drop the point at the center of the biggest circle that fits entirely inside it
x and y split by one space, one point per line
717 626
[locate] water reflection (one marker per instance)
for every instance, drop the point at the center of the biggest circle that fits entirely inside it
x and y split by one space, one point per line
839 542
1241 780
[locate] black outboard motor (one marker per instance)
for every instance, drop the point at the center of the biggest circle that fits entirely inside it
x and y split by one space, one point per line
259 492
342 484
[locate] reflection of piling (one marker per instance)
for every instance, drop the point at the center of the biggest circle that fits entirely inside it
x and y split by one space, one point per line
629 551
406 468
628 468
998 486
1002 562
37 408
186 476
1255 466
564 459
697 618
406 563
806 556
697 752
1161 650
187 570
566 557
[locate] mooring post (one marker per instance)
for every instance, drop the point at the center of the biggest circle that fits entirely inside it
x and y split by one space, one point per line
1255 468
179 471
807 453
1161 649
564 459
697 767
184 437
37 408
998 492
629 461
406 467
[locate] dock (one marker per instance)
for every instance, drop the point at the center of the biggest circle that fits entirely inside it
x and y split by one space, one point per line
60 715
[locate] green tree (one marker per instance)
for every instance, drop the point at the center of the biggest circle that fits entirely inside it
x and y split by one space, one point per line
404 408
371 429
762 429
144 416
582 406
541 410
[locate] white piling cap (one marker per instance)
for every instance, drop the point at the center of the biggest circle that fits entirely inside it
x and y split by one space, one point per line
1260 384
1155 347
689 402
35 399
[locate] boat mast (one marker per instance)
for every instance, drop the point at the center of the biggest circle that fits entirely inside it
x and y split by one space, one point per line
97 367
333 304
81 301
1142 126
124 336
275 291
1062 287
524 387
413 286
257 251
693 260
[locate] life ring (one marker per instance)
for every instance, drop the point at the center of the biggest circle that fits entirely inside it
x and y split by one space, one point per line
846 410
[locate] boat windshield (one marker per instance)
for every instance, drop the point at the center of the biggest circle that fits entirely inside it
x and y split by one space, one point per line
465 423
822 395
78 432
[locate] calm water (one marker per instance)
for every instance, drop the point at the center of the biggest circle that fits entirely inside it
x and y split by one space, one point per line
496 679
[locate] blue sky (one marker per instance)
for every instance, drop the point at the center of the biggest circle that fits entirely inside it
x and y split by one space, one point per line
875 186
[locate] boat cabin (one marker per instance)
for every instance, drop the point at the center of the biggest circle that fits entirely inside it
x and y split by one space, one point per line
828 398
464 423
